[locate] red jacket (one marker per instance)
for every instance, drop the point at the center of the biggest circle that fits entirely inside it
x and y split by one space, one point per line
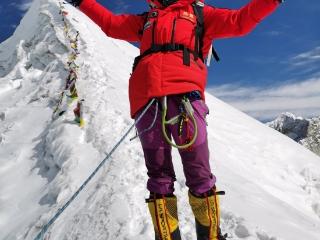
161 73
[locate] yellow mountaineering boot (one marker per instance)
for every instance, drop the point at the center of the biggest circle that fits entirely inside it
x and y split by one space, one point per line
163 210
207 215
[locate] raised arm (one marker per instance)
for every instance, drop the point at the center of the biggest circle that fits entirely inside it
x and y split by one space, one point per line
225 23
124 26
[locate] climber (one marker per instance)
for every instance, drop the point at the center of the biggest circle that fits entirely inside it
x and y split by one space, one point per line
175 38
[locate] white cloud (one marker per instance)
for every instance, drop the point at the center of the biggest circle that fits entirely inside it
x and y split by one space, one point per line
307 58
122 6
23 5
273 33
301 98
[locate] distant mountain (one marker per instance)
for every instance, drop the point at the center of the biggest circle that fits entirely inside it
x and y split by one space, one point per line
303 131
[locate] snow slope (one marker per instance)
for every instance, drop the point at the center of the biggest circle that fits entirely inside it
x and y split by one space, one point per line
272 183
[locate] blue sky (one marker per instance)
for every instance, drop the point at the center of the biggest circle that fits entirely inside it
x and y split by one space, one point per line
275 68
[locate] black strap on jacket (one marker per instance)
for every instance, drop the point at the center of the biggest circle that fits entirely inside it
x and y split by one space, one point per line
199 31
169 47
145 16
198 11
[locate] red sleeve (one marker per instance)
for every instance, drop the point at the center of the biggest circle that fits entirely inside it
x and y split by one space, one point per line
124 26
224 23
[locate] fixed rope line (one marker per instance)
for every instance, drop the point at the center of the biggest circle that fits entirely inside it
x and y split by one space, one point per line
151 125
63 208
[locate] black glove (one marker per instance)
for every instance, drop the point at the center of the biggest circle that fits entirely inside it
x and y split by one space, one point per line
281 1
75 3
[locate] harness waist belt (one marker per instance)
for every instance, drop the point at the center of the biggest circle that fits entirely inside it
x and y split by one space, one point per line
166 48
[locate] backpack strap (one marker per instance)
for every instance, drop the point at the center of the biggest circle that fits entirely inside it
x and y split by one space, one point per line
198 11
145 19
199 31
215 54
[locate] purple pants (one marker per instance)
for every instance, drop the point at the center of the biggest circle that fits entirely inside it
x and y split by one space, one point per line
157 152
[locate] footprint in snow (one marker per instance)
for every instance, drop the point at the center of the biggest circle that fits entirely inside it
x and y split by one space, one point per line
2 116
312 187
241 231
237 229
264 236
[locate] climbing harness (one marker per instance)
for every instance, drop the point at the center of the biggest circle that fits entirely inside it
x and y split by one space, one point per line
45 228
185 118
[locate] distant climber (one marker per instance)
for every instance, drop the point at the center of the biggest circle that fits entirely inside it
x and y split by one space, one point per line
175 38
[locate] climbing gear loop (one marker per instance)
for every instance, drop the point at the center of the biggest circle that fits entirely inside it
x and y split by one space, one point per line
185 116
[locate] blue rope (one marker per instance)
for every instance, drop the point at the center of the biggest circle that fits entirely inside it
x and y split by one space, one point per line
61 210
151 126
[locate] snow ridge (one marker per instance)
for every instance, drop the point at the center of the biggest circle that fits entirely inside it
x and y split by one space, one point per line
272 183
